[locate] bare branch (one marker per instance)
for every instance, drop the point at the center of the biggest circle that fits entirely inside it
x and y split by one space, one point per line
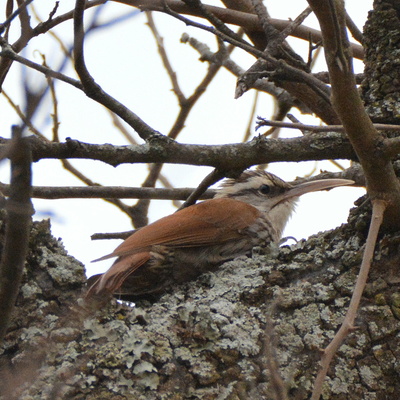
317 128
19 216
112 235
262 85
23 117
229 16
139 211
288 31
224 157
190 102
224 35
54 115
8 53
164 57
353 173
381 179
278 385
205 12
12 16
209 180
348 323
355 32
249 128
22 41
108 192
93 90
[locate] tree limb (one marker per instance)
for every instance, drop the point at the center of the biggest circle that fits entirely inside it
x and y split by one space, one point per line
224 157
19 216
381 179
112 192
93 90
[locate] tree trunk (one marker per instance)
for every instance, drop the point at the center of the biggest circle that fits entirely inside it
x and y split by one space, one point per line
220 337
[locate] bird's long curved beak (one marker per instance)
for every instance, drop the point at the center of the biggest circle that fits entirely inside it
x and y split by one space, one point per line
315 186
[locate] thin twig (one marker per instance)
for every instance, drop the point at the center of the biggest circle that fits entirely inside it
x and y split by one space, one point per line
293 25
245 20
11 17
118 124
278 385
165 59
209 180
8 52
262 85
378 209
112 235
318 128
108 192
27 122
353 28
54 115
281 110
249 128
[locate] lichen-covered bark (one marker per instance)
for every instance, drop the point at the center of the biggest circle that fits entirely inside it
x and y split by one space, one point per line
381 87
209 339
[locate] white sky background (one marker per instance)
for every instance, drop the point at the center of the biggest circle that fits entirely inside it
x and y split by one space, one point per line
124 61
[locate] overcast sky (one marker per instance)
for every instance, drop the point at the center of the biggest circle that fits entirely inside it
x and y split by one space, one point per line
124 61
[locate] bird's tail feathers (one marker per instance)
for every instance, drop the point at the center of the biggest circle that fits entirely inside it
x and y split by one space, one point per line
111 281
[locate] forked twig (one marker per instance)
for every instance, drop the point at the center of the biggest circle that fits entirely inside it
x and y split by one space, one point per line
378 209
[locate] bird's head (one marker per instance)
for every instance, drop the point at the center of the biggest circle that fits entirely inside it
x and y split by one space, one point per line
272 195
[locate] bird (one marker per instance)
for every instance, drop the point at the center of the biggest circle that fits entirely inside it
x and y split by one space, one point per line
249 211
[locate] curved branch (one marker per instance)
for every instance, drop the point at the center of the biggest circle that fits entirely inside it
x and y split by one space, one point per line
8 53
239 18
43 27
93 90
367 142
348 323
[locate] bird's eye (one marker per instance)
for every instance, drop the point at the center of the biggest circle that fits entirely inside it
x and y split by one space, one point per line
264 189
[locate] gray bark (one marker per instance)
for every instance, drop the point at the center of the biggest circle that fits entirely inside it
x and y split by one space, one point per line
213 338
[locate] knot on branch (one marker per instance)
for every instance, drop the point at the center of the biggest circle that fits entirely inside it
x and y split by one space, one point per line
72 144
157 138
